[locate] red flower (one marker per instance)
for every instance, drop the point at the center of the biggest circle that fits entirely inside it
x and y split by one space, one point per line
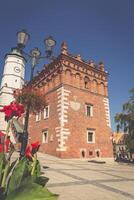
32 149
7 143
35 147
7 110
14 109
28 152
1 148
2 134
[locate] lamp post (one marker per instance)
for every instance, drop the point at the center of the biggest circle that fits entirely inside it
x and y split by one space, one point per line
34 55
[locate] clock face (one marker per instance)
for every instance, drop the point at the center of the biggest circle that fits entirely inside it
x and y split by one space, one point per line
17 69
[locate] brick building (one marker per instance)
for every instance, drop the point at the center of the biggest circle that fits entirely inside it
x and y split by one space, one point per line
76 121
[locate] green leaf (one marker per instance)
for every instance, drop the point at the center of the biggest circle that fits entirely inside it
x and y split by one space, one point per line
37 171
41 180
2 165
2 195
10 172
20 172
17 126
32 191
130 144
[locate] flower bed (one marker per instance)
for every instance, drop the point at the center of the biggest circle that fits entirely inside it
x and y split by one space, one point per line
20 179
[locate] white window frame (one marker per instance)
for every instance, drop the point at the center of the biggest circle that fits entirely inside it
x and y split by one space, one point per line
44 139
38 116
93 135
91 110
46 116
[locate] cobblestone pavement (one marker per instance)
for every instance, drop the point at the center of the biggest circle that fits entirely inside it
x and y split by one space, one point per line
77 179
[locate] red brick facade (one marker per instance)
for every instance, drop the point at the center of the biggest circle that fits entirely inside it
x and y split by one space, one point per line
78 121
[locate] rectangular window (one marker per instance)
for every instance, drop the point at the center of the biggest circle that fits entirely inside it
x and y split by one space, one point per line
45 136
46 112
38 116
89 110
90 136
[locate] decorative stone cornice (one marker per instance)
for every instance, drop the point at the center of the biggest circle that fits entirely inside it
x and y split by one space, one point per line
47 72
66 61
70 60
89 69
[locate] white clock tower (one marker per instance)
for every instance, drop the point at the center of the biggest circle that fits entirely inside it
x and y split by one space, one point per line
13 78
13 74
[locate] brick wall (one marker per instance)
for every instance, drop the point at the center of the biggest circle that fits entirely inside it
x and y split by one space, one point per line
67 90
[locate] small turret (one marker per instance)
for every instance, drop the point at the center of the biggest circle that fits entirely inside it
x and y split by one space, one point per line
91 63
101 66
64 48
78 57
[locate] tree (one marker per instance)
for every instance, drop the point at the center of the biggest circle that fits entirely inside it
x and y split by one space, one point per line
125 121
30 96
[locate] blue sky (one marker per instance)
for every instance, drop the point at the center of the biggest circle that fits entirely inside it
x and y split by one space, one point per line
96 29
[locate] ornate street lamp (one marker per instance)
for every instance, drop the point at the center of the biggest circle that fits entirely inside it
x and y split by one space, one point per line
49 45
22 39
34 55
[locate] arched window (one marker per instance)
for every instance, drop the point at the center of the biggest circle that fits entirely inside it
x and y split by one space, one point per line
77 79
95 86
86 82
68 76
68 72
102 88
77 75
